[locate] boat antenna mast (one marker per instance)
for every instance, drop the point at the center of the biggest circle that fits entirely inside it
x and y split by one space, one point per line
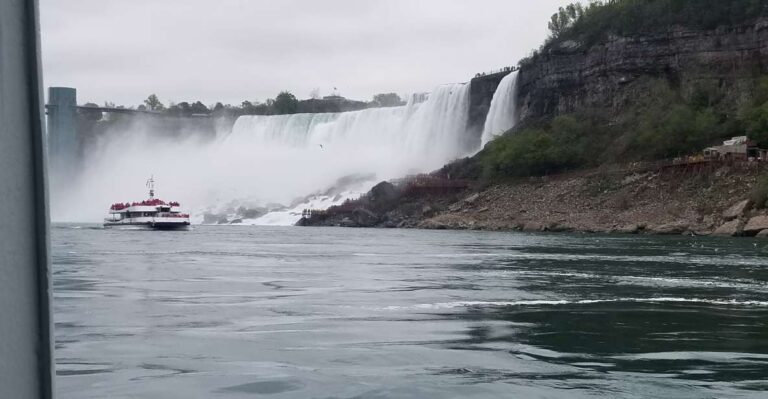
151 185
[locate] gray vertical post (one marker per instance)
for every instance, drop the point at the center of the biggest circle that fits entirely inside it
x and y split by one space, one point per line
26 369
62 130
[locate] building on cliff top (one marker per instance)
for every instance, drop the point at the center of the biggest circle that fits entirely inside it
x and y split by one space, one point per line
737 148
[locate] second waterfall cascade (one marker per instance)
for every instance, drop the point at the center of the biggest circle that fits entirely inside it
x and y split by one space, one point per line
502 115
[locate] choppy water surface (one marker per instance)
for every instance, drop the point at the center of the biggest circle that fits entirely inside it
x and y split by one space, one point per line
241 312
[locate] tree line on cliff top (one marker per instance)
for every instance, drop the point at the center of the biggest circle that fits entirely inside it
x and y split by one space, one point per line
284 103
630 17
598 20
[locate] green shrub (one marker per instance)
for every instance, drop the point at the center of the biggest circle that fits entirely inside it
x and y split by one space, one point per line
679 130
754 118
663 125
567 142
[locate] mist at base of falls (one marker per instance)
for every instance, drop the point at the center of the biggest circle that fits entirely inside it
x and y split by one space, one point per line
267 162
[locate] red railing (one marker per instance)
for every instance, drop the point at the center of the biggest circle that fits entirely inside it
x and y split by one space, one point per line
153 202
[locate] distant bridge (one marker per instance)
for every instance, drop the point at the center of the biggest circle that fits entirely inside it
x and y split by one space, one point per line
49 107
62 111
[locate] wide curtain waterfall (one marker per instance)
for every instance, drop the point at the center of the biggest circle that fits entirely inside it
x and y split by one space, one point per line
417 136
270 159
502 115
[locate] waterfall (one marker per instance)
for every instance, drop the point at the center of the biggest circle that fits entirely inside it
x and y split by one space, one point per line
267 160
417 136
502 115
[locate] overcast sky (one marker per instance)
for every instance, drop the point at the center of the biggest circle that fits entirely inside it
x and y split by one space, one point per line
234 50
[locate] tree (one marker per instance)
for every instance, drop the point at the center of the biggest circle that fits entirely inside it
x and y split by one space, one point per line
248 108
199 108
219 110
565 18
153 103
93 115
181 109
286 103
387 100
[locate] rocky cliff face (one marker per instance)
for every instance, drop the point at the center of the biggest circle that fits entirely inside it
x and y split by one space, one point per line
569 77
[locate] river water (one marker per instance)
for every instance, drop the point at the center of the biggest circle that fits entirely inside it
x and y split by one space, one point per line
243 312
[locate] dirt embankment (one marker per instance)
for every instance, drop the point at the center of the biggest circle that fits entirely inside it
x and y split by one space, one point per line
698 200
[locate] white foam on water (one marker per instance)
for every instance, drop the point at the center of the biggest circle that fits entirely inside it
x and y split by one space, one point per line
523 303
288 217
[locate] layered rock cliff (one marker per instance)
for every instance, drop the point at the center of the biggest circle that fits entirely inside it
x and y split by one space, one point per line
569 76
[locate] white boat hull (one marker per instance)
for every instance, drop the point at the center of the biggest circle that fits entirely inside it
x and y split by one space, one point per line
153 213
151 223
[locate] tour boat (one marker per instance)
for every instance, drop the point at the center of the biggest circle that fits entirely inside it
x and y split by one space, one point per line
153 213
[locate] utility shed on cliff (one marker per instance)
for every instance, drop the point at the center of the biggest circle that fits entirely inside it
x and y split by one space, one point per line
738 148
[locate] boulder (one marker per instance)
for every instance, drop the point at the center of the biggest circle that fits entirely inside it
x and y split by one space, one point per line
383 193
252 213
210 218
559 228
472 199
533 226
756 225
729 229
389 224
737 210
763 234
629 229
365 218
673 228
596 229
347 222
433 225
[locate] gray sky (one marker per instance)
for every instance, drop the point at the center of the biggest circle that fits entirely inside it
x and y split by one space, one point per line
233 50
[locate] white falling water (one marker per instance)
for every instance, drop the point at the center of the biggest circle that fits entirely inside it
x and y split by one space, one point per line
502 115
415 136
271 159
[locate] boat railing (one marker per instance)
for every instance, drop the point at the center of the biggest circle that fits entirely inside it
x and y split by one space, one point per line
171 215
151 202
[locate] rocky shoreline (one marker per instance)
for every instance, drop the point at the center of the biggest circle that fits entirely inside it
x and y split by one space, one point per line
670 201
